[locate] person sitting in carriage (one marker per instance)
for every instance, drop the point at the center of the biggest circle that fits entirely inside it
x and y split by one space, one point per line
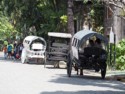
98 43
91 43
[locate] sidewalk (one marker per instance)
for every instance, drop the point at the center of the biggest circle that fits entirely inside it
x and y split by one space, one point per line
116 75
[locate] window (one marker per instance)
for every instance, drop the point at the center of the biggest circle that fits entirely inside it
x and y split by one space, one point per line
73 42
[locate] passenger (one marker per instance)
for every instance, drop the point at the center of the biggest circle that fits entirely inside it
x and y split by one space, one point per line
98 43
91 43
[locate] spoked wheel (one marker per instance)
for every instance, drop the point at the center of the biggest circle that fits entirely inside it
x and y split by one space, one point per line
69 66
103 70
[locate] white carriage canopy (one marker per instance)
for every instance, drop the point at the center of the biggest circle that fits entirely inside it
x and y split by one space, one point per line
32 38
28 42
84 35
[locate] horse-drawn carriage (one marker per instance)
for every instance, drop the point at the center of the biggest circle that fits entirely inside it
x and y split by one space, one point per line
58 48
84 57
34 48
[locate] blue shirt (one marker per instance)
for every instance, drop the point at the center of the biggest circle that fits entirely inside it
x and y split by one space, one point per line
9 48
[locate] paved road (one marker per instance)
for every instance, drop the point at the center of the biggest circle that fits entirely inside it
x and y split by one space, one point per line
17 78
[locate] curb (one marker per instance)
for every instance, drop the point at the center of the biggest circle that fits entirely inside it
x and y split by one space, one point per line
116 75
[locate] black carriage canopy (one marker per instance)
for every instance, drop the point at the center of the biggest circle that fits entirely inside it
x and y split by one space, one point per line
84 35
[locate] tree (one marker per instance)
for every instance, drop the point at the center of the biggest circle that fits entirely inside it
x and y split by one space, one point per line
90 11
44 15
70 17
6 28
117 8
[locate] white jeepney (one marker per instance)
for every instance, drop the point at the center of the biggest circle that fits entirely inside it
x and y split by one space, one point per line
34 48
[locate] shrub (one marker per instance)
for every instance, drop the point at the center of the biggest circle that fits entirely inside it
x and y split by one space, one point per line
120 55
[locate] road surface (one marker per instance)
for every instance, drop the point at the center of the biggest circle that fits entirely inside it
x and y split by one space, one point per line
17 78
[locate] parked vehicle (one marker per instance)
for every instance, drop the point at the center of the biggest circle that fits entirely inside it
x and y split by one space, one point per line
34 48
86 57
58 47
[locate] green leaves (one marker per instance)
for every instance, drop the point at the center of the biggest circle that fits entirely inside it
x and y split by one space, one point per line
44 15
85 1
120 55
92 12
63 19
6 28
120 65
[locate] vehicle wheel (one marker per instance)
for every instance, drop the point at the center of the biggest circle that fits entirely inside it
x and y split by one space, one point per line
69 66
23 56
103 71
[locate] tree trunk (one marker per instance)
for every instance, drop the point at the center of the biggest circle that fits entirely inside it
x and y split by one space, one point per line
70 17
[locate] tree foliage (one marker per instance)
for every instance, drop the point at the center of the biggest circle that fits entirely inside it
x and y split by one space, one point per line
44 15
6 28
120 55
95 14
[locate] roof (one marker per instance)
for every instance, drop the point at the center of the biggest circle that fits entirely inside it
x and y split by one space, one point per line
62 35
31 38
84 35
79 35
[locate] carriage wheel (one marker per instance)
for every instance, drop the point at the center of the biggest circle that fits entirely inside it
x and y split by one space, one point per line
103 70
69 66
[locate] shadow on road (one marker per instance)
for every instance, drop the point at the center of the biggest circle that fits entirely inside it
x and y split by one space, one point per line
84 92
89 80
52 67
18 61
10 60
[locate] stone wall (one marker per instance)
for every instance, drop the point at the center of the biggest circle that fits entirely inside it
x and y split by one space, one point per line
116 22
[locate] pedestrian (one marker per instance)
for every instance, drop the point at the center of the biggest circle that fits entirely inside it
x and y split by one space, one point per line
20 49
5 51
9 50
15 49
12 54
